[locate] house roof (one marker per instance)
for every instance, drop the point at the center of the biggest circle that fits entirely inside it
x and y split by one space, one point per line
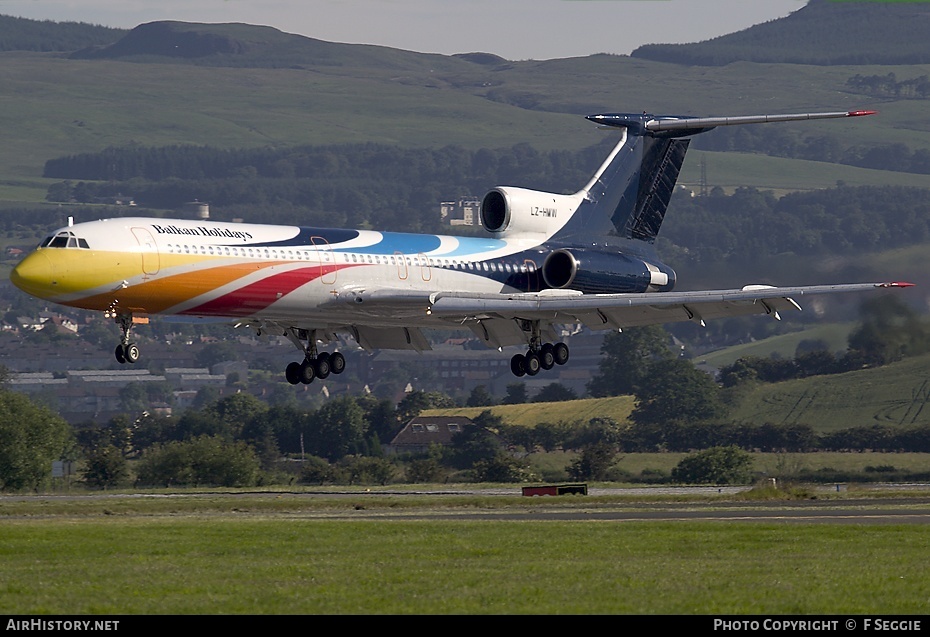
427 430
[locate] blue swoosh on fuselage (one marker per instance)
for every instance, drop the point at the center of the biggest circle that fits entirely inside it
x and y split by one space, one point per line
304 237
390 243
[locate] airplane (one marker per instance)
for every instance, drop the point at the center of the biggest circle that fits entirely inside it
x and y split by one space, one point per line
550 259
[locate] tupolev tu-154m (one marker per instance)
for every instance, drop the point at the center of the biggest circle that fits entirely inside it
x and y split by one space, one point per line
550 259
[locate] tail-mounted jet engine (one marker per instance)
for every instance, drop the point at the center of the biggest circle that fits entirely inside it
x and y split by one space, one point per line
507 211
594 272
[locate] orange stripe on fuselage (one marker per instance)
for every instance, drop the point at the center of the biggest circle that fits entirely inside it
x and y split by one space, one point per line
159 294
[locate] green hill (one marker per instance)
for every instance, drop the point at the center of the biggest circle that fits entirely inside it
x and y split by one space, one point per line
897 394
823 32
237 85
246 45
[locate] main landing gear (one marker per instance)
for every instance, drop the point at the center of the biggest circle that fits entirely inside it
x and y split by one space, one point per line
314 365
545 357
539 356
126 351
320 367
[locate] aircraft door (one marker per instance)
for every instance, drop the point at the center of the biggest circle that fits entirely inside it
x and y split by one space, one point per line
151 262
425 271
401 266
326 260
532 275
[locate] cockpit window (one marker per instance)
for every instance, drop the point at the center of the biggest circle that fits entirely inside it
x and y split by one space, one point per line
65 240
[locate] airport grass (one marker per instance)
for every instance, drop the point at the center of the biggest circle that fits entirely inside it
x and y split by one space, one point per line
212 565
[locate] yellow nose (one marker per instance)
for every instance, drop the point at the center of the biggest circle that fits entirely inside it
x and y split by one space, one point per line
35 275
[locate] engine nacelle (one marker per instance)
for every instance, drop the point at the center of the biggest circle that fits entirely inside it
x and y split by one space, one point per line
594 272
507 211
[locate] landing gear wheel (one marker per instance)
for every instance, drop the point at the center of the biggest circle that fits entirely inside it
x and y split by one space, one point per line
547 356
337 363
131 353
321 367
518 365
292 373
307 373
120 354
532 364
560 351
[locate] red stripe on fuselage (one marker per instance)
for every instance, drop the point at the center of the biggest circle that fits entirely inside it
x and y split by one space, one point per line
257 296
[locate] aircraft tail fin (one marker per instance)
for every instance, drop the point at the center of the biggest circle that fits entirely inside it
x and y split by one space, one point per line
629 194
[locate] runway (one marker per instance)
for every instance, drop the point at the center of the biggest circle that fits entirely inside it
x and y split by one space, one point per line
897 504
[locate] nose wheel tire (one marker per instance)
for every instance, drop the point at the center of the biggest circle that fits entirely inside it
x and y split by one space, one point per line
128 353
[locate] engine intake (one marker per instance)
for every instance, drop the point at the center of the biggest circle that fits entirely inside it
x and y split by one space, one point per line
507 211
594 272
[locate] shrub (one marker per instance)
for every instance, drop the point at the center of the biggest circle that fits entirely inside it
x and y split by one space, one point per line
717 465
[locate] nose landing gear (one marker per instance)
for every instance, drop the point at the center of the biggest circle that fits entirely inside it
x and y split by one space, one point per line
126 351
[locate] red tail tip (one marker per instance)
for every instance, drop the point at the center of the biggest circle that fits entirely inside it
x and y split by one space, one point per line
860 113
897 284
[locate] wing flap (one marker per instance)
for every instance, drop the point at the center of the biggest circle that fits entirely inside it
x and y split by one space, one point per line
605 311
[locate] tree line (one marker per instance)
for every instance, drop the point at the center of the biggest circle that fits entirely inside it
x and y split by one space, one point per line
889 331
888 85
387 187
785 142
22 34
752 224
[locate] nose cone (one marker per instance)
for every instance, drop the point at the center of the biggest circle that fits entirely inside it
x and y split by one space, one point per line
35 275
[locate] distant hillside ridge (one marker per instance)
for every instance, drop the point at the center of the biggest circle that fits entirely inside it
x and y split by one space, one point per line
825 32
22 34
250 46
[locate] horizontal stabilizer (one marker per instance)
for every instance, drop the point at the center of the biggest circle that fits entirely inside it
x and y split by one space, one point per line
693 125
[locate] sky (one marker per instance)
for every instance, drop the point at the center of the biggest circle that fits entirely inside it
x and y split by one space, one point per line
513 29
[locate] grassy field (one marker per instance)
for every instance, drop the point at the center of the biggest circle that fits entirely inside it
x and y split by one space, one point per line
896 394
531 414
764 464
785 345
290 558
53 106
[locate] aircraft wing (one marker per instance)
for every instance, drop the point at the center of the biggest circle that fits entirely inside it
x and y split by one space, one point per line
615 311
495 317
